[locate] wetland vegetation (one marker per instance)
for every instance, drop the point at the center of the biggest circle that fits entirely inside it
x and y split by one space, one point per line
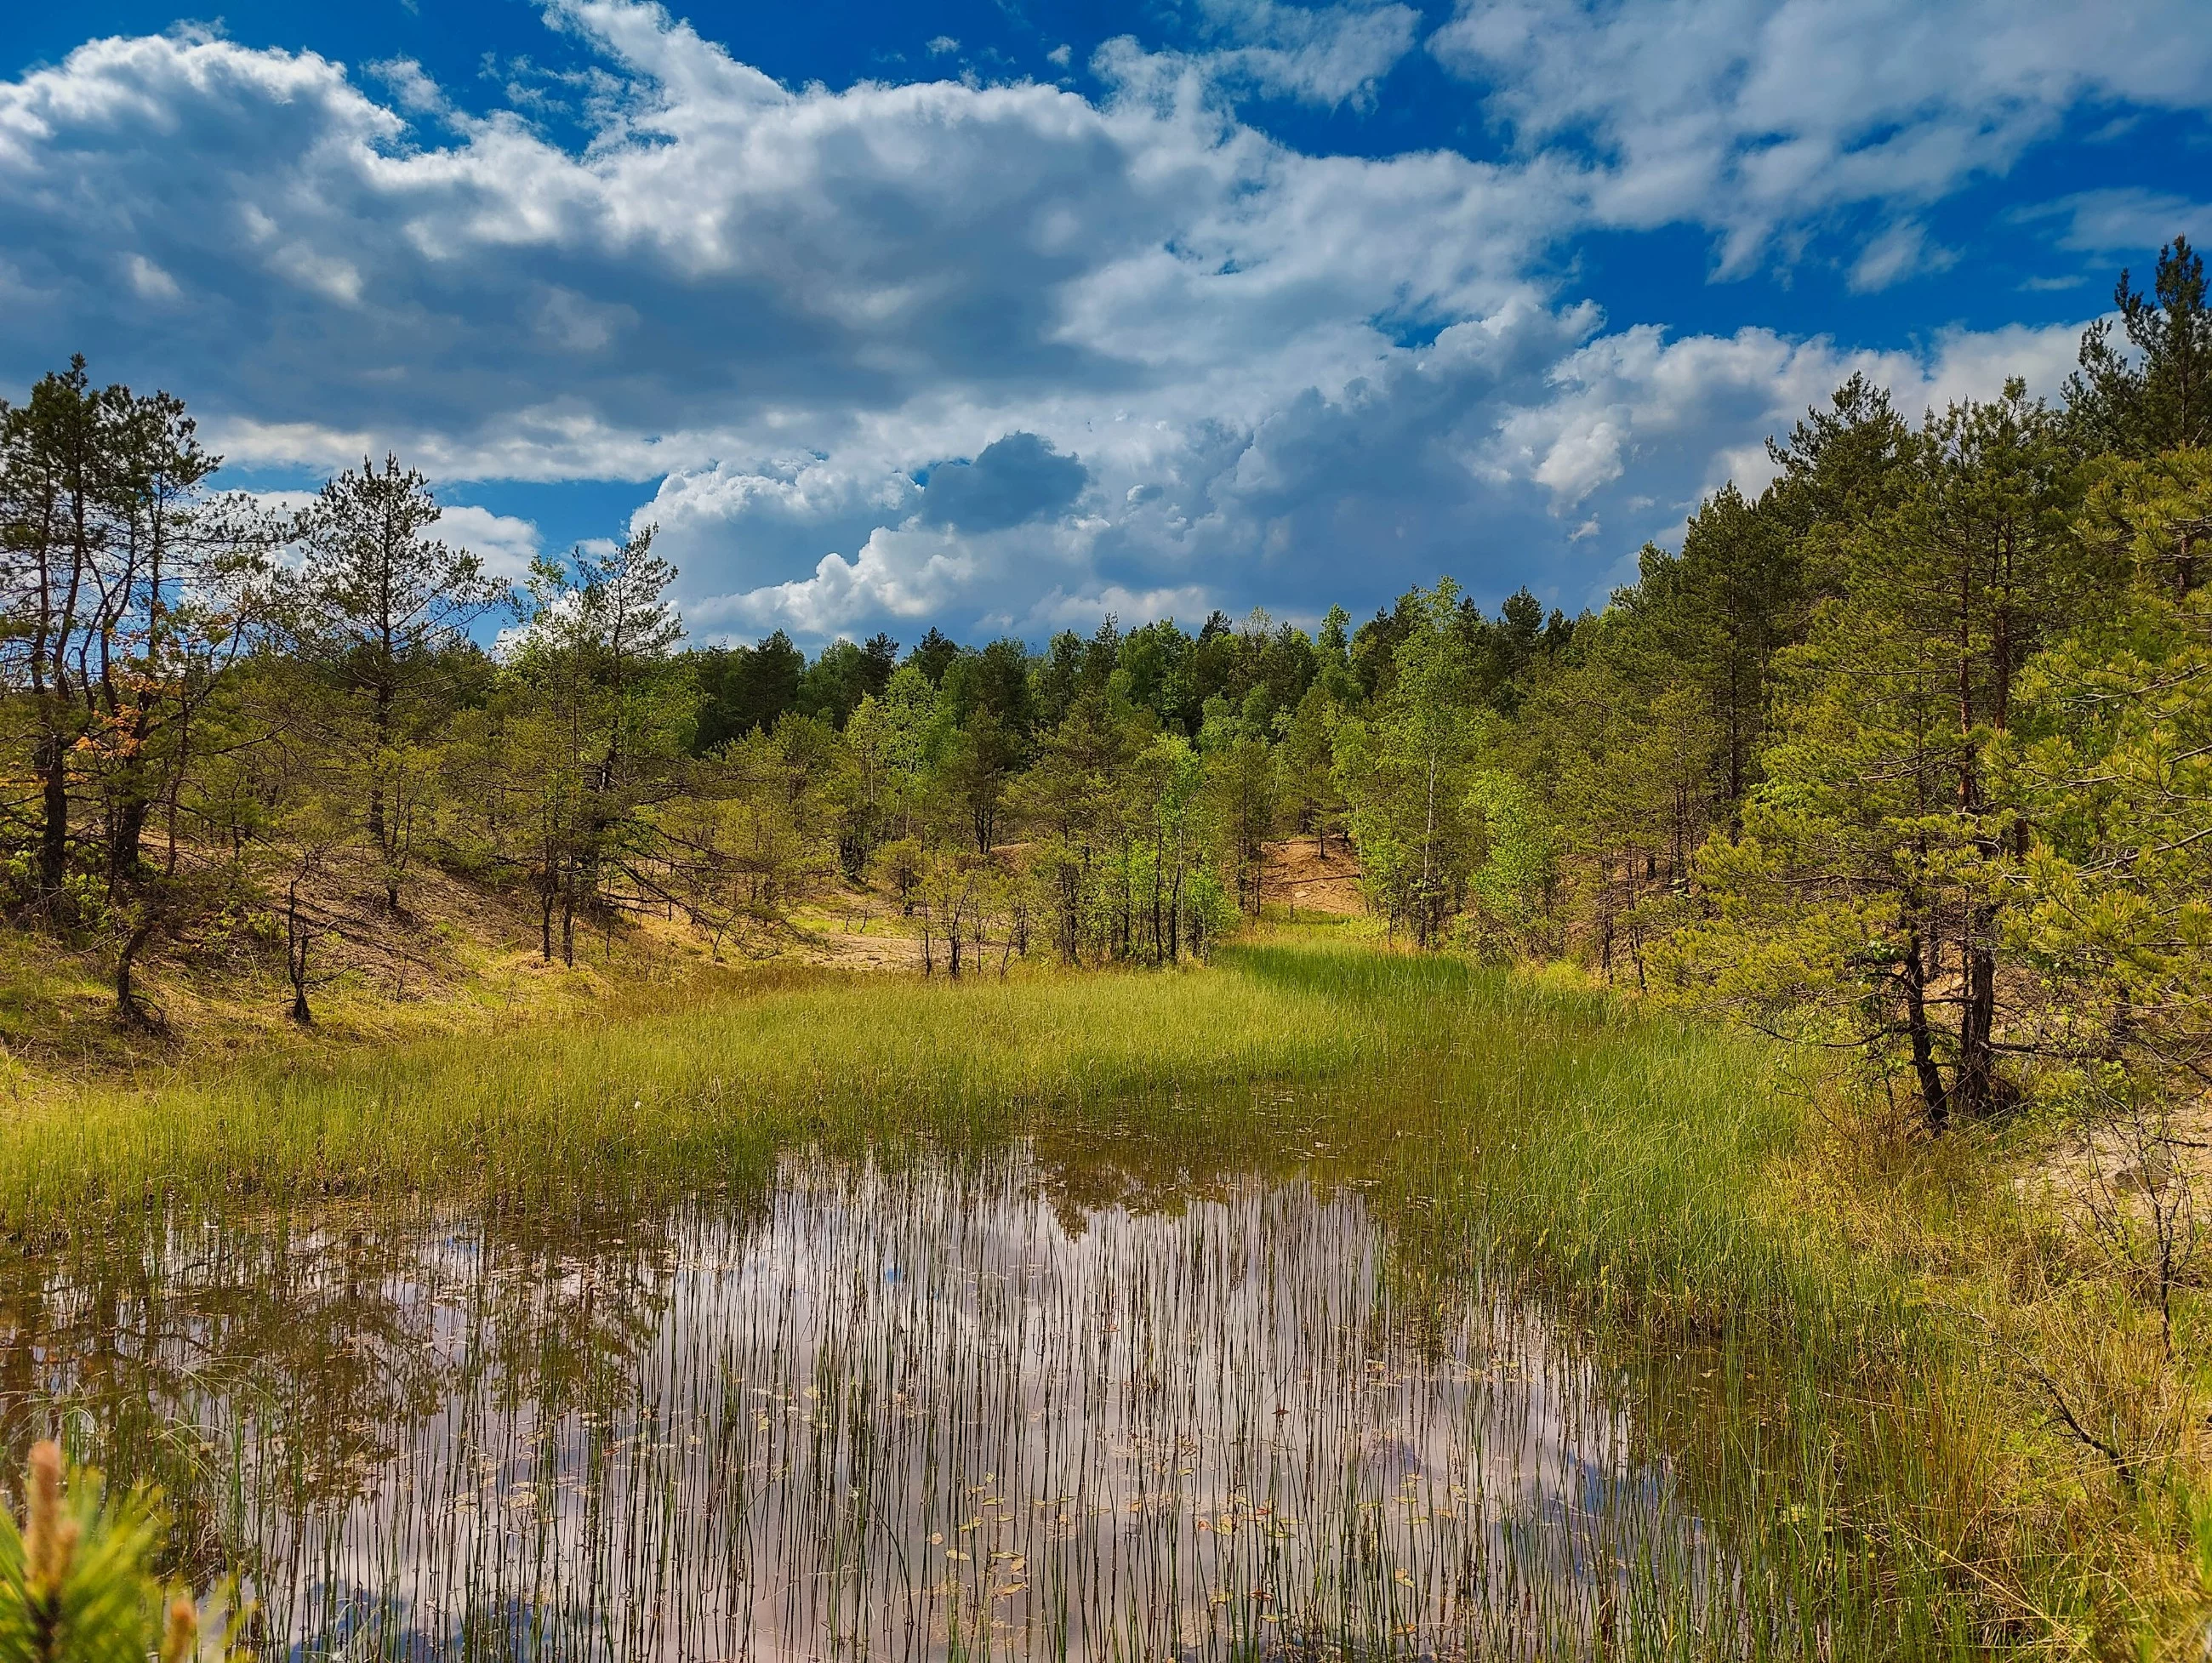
1718 1178
1571 1310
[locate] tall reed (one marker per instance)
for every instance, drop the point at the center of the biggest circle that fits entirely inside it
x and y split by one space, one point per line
1623 1174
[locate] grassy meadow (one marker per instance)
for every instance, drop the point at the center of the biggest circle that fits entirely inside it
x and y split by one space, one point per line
1801 1302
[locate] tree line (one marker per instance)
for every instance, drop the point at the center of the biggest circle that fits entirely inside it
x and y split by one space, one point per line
1908 755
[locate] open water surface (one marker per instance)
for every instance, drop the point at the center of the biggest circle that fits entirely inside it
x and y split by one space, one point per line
946 1410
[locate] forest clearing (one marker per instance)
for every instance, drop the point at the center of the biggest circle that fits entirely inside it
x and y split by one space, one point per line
1679 1251
532 1126
1493 1314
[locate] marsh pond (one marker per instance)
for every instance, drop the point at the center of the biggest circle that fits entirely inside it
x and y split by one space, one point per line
945 1407
1325 1304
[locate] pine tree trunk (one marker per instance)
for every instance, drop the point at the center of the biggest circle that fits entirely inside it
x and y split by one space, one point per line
53 765
1976 1089
127 1006
376 833
1175 914
295 957
1913 972
126 834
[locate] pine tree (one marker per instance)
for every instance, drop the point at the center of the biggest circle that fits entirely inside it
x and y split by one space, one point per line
1866 899
2162 400
383 607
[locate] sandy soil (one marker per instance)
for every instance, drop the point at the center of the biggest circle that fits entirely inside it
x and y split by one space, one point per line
458 956
1299 877
854 931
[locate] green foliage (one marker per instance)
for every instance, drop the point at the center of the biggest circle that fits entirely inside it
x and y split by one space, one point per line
2159 398
745 688
382 609
1406 770
1888 753
1878 854
1521 859
2113 765
76 1579
1715 616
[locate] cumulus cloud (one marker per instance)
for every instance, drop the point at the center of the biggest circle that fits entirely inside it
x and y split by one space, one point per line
1011 482
896 574
505 542
1143 354
1639 392
1475 454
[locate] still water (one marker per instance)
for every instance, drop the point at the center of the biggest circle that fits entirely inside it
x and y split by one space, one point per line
948 1409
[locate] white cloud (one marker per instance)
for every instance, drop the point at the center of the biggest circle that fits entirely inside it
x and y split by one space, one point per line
1471 455
1903 250
506 543
1749 116
1145 356
149 281
1582 457
413 90
2125 218
1323 55
1692 396
900 574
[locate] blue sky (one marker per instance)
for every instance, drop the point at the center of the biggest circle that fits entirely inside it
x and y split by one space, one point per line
1000 315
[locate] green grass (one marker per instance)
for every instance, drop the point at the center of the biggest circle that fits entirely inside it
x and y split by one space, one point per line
1636 1175
714 1087
1566 1110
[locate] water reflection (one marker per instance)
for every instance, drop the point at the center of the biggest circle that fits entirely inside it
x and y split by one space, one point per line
945 1409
